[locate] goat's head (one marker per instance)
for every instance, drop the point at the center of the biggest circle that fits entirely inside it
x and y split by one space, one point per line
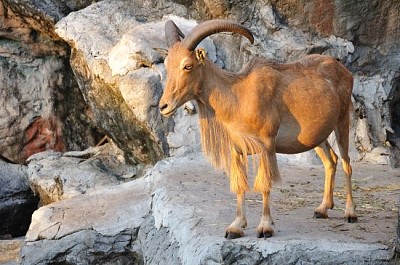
185 65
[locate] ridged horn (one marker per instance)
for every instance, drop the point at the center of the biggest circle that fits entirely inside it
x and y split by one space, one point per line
205 29
172 33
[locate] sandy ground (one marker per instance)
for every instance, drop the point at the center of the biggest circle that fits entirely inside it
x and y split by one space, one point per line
9 251
376 192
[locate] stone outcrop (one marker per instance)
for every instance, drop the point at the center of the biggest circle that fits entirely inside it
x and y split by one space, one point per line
57 176
177 214
118 75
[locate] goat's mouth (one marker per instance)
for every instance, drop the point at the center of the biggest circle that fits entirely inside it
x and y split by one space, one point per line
168 114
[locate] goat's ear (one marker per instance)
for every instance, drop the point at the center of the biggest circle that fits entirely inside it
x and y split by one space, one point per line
201 54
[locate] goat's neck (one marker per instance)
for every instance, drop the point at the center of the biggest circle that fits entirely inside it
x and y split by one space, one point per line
217 94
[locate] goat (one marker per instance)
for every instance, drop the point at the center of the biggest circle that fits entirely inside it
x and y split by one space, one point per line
266 108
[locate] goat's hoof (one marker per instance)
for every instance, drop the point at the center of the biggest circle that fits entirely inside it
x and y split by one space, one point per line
351 219
318 215
264 232
232 233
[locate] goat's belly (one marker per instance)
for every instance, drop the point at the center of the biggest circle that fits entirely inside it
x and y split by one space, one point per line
292 142
294 147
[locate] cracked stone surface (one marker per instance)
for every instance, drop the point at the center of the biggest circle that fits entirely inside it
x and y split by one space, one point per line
177 214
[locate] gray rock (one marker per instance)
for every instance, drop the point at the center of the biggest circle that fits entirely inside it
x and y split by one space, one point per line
398 234
17 201
178 212
127 61
56 176
108 220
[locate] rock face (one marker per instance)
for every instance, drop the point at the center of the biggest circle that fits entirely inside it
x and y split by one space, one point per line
17 201
178 212
118 65
117 59
37 84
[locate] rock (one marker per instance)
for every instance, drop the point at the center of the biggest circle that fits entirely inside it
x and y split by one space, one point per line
178 212
37 84
398 234
108 219
17 201
42 17
56 176
377 112
354 21
124 66
378 155
285 30
100 90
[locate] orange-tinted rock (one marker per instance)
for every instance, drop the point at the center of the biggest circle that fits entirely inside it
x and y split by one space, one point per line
41 135
323 16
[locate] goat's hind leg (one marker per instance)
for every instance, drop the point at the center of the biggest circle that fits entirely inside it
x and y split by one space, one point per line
342 137
239 185
329 160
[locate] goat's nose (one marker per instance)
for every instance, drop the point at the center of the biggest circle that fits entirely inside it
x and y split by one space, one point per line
163 107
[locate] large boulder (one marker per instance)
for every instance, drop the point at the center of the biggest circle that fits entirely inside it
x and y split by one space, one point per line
119 66
58 176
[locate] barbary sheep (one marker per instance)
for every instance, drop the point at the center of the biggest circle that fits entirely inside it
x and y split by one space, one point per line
266 108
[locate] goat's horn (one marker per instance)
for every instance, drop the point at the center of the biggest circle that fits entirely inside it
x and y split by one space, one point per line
210 27
172 33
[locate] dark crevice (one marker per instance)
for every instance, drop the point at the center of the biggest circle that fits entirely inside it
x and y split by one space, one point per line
393 137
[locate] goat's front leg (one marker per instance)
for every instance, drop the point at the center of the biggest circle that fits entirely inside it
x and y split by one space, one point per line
238 182
235 229
264 229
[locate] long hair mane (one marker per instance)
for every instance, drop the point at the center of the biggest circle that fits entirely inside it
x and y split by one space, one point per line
220 145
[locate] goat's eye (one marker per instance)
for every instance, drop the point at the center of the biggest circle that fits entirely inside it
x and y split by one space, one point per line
188 67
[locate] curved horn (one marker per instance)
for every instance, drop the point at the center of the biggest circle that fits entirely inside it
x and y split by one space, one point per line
210 27
172 33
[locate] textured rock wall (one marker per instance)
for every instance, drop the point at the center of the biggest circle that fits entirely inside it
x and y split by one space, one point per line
42 107
119 94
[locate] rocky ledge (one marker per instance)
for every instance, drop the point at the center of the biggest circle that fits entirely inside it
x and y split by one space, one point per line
177 213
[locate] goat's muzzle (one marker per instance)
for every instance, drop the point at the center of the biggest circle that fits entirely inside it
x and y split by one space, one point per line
166 110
